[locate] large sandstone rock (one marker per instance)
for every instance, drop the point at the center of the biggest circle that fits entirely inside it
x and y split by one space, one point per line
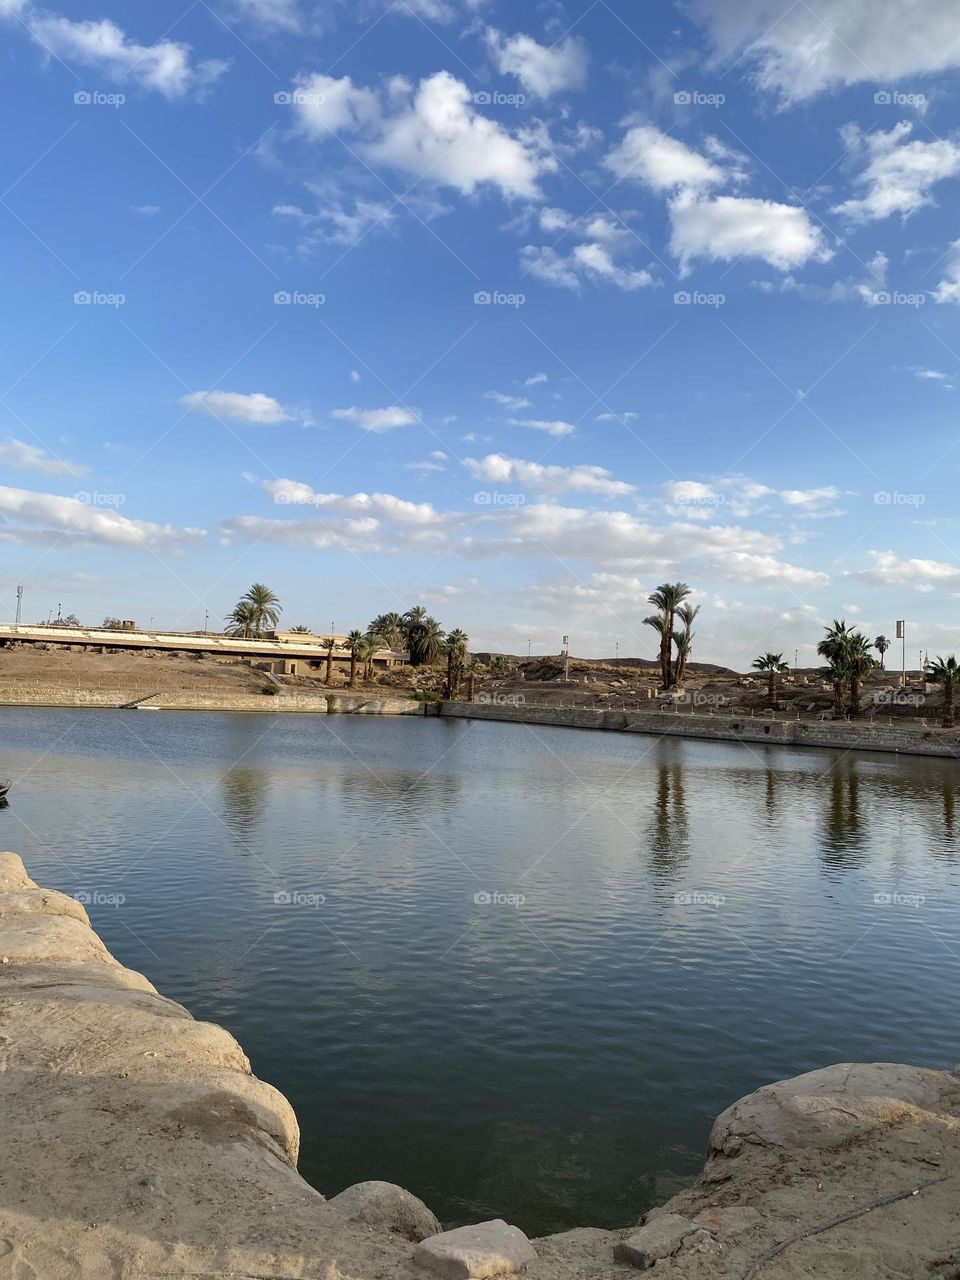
662 1237
385 1207
13 874
476 1253
823 1108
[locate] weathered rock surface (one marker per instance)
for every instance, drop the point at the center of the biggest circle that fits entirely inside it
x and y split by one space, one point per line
660 1238
385 1206
476 1253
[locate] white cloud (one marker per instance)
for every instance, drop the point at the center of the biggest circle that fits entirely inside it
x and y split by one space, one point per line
28 457
281 15
165 66
432 132
377 419
554 428
354 375
593 259
508 402
238 407
337 220
47 518
10 8
887 569
498 469
542 70
379 505
147 210
728 227
664 163
799 50
535 379
899 174
948 290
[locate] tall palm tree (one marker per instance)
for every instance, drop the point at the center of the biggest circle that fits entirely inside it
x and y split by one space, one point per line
390 628
354 644
658 622
330 643
774 666
424 636
264 606
456 646
472 668
860 660
945 671
881 644
667 598
683 639
242 621
838 674
368 648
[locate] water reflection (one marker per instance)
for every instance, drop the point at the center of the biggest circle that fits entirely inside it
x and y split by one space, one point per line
670 833
244 801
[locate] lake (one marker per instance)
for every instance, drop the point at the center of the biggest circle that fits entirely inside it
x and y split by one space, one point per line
516 969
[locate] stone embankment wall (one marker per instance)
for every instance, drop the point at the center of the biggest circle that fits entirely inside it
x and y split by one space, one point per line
320 704
857 735
137 1144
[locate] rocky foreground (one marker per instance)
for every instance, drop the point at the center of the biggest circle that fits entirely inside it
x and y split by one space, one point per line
136 1143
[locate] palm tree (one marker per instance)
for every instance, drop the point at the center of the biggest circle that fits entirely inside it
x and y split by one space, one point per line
424 636
668 597
472 668
264 607
330 643
301 630
881 644
242 622
354 644
945 671
687 614
860 661
838 674
390 629
456 646
774 666
659 624
368 648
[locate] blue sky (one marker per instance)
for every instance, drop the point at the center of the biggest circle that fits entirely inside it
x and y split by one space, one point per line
513 309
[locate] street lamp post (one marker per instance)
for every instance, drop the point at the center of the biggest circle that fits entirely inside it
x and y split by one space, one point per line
902 636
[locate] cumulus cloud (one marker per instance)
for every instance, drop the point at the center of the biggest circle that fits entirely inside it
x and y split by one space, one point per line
509 402
948 290
899 174
47 518
377 420
556 427
543 70
165 67
887 569
498 469
727 227
661 162
379 505
593 259
740 496
237 406
29 457
432 132
799 50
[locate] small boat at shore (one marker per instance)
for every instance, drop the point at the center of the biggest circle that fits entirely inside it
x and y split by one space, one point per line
5 785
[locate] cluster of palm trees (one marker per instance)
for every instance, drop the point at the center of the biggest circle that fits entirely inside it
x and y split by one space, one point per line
672 603
255 612
848 660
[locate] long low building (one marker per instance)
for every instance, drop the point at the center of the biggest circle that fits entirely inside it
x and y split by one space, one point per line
286 652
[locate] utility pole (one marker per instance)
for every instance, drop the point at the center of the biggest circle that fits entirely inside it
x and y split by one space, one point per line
206 619
529 647
618 651
796 661
19 603
902 636
566 659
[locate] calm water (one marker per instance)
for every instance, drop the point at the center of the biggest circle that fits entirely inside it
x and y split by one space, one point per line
696 920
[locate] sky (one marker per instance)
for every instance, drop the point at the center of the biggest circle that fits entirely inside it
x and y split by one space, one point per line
515 310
